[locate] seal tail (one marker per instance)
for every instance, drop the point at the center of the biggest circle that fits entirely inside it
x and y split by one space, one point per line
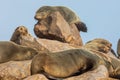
81 26
118 48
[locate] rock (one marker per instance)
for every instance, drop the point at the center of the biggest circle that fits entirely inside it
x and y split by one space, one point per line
42 44
21 36
69 15
46 45
36 77
97 74
58 29
15 70
39 44
54 46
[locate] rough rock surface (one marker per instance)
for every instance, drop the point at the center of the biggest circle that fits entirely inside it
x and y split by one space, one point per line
39 44
36 77
54 46
59 30
15 70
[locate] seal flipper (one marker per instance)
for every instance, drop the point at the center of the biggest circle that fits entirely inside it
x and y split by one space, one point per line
81 26
118 48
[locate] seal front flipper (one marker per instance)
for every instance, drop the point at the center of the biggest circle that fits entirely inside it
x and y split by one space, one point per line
118 48
81 26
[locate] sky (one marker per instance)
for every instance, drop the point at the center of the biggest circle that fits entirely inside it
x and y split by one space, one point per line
102 17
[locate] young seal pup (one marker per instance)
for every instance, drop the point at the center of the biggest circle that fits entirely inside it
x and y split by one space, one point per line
45 12
11 51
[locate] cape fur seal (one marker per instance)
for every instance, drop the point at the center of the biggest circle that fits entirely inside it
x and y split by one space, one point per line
65 63
11 51
45 11
19 32
99 44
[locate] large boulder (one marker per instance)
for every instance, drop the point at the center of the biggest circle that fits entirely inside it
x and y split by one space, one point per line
58 29
15 70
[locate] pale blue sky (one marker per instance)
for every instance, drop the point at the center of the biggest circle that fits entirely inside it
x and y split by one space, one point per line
102 17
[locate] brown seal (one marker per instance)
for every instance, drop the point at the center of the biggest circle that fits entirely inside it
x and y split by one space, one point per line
99 44
20 32
11 51
65 63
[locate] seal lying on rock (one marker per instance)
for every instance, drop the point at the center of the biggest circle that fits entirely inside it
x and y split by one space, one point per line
45 12
20 32
11 51
66 63
100 45
102 48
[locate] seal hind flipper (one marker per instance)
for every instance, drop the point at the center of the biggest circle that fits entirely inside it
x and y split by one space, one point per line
81 26
118 48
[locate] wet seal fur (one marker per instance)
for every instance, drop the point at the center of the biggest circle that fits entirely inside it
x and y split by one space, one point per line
65 63
44 12
11 51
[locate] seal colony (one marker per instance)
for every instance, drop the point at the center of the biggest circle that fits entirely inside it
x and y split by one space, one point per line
67 63
45 12
59 65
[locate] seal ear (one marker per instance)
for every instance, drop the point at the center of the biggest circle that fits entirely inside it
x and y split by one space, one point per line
118 48
81 26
